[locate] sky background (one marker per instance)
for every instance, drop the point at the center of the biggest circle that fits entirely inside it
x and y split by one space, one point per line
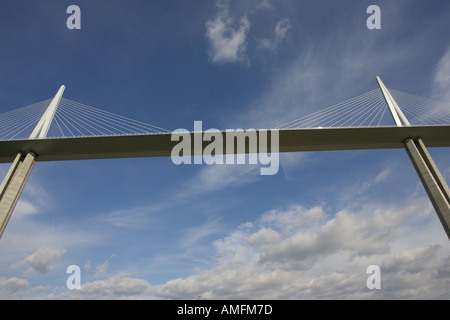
148 229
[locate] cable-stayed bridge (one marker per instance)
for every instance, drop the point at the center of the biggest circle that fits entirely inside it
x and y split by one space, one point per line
62 129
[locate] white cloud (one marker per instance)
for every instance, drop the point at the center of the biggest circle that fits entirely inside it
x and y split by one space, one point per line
264 5
42 260
406 261
101 269
24 209
33 200
193 236
228 40
405 274
133 218
296 217
212 178
281 28
382 175
363 232
227 43
264 236
120 286
442 77
280 32
12 286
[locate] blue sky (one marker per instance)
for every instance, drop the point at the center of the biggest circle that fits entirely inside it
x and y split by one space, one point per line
146 228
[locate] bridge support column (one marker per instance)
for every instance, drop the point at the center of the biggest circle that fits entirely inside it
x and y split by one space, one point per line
12 186
429 174
432 180
18 174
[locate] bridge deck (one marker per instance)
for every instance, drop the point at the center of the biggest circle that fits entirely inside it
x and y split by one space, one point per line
160 145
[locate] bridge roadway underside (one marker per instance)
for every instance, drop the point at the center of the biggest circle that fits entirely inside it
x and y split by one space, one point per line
160 145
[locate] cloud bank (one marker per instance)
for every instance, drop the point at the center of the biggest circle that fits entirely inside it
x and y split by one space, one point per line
300 253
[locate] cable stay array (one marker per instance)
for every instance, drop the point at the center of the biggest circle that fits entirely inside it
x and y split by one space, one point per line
422 111
74 119
19 123
370 109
